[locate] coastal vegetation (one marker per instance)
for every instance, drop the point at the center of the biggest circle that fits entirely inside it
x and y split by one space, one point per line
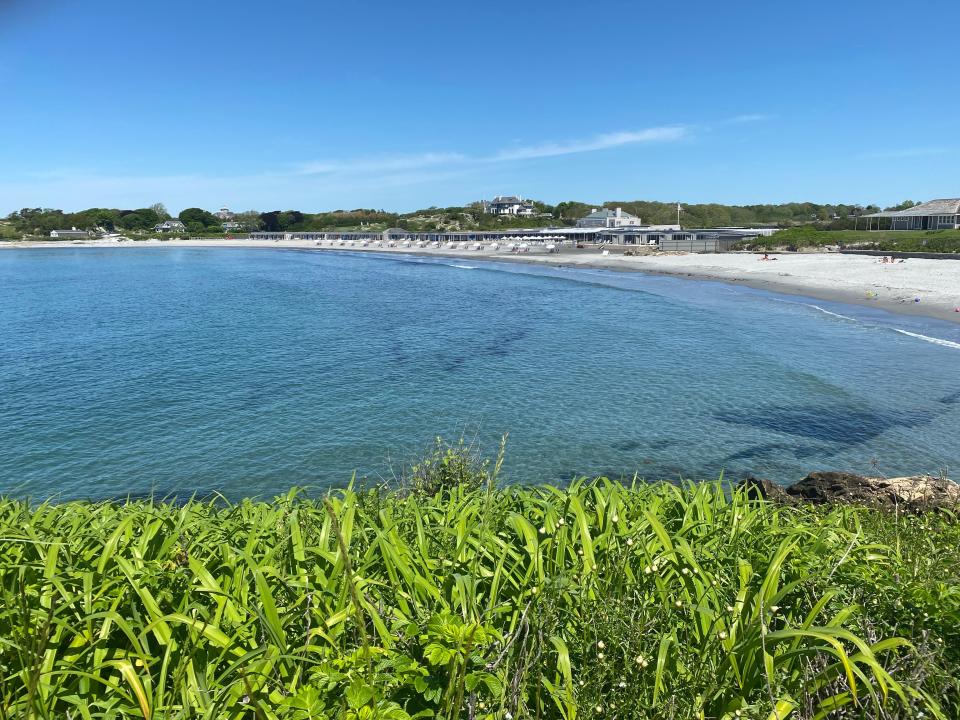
450 597
933 241
40 221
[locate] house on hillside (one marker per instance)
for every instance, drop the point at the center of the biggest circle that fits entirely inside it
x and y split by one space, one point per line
232 226
509 205
72 234
170 226
224 214
941 214
609 219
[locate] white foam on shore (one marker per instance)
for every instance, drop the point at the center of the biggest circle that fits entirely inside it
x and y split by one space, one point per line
827 312
927 338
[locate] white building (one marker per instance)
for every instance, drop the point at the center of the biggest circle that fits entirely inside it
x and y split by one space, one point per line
941 214
172 225
224 214
509 205
609 219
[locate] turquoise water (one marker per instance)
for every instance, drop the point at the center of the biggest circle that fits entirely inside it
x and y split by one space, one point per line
248 371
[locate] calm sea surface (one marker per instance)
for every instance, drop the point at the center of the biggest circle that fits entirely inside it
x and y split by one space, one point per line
248 371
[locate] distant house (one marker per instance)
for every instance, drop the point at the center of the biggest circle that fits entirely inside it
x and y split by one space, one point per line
170 226
609 219
509 205
72 234
231 226
941 214
224 213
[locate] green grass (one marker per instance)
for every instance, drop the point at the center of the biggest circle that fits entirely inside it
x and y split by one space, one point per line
456 599
939 241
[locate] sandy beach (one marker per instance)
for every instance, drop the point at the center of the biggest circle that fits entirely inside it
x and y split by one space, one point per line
916 286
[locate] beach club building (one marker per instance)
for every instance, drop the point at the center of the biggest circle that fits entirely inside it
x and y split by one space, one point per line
654 237
941 214
607 218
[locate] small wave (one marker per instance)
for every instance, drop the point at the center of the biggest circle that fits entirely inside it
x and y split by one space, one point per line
464 267
927 338
918 336
837 315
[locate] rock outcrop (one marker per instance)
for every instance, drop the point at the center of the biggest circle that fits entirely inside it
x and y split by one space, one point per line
916 493
756 488
913 494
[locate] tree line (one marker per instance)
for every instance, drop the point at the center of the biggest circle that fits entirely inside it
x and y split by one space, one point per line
40 221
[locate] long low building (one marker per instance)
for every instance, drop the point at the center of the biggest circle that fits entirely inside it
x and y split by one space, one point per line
72 234
664 237
943 214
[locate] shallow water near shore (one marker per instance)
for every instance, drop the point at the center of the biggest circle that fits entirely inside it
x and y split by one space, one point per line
174 370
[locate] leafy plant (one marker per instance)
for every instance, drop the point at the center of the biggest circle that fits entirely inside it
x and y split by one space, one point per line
464 600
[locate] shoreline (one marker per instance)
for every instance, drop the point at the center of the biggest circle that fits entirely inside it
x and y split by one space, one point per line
832 277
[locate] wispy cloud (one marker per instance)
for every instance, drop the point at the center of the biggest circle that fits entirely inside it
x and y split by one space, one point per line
388 163
598 142
908 153
342 179
748 118
400 163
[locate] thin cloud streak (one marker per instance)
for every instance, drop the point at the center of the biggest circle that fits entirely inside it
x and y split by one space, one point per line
599 142
391 163
748 118
327 178
908 153
370 165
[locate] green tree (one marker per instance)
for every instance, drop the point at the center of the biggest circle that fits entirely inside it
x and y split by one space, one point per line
161 211
197 215
905 205
142 219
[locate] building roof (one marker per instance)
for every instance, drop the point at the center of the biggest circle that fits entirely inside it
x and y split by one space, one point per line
510 200
944 206
608 213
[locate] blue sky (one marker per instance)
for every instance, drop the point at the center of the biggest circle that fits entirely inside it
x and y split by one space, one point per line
319 106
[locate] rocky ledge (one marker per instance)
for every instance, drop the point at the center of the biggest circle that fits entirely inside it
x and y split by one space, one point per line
917 493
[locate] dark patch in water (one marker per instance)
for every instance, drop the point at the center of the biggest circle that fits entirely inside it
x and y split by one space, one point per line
951 399
500 346
661 444
752 453
627 445
772 450
454 363
828 423
399 356
805 452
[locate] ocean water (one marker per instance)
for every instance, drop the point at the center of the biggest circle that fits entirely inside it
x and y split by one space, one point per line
180 371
